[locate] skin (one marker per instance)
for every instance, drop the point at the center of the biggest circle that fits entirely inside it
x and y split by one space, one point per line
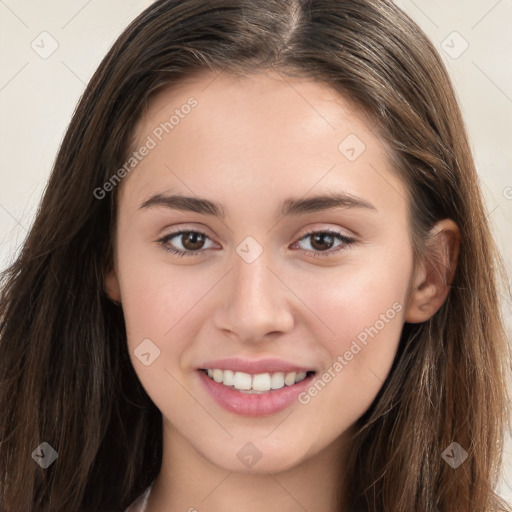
249 144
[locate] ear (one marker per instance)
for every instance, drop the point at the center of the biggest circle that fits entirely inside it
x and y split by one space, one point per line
433 276
112 286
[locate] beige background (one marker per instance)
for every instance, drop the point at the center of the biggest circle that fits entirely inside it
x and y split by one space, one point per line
38 96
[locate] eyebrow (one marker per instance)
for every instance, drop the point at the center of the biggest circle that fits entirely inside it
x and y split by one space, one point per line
289 207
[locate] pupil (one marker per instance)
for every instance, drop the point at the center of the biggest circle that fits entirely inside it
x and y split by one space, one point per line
319 238
193 238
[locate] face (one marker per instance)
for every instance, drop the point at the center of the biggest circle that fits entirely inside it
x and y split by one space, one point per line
300 270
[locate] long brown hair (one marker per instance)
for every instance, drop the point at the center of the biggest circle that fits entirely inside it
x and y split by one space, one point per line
65 373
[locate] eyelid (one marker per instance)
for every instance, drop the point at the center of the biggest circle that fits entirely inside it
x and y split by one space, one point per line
333 230
202 229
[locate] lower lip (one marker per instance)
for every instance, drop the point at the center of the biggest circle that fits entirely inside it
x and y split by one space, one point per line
257 404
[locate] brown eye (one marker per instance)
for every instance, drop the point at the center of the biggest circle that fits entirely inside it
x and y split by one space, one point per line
322 241
191 242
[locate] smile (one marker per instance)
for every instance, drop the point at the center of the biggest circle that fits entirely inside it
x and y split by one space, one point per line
254 388
255 383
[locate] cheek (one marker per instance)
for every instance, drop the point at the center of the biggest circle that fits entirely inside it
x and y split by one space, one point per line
364 304
161 307
354 296
159 299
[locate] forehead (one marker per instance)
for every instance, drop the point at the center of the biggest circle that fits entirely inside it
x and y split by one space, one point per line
264 132
266 99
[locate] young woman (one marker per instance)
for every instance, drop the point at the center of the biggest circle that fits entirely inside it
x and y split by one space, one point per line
261 277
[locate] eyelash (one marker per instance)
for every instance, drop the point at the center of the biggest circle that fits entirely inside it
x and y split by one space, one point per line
347 242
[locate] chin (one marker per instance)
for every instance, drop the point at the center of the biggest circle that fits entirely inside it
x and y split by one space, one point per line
256 457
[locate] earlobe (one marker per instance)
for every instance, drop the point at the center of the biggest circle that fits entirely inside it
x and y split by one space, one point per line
434 275
112 286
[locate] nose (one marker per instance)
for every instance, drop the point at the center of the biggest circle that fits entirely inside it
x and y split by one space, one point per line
256 302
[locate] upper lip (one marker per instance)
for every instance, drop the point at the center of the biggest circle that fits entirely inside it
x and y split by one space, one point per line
254 366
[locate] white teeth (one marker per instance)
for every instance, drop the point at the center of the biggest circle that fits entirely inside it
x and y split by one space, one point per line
260 382
277 381
229 378
242 380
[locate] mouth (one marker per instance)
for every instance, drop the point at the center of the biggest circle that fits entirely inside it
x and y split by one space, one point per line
258 383
254 388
